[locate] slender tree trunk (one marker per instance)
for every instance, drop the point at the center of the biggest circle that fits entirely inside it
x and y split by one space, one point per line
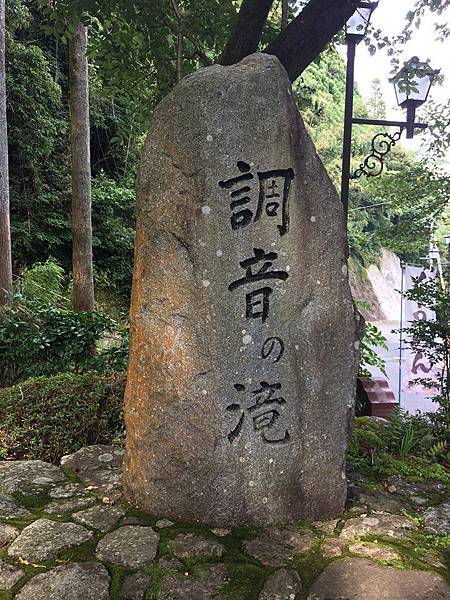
83 280
284 13
5 230
180 40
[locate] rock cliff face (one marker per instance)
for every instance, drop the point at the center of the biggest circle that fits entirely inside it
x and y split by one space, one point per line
379 288
244 344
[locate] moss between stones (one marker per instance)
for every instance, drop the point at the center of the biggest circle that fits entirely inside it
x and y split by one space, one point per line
309 566
29 569
33 502
83 553
156 573
246 581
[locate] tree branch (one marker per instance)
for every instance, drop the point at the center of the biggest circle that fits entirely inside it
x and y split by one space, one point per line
307 35
246 35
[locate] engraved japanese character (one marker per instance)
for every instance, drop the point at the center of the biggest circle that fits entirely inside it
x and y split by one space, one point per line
272 196
265 417
257 301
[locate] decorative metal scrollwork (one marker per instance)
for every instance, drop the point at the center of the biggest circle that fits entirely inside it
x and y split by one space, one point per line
373 165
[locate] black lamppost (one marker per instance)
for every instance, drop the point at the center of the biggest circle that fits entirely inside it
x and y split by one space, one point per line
412 85
355 31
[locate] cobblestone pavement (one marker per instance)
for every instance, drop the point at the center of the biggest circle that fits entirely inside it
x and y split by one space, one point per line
67 534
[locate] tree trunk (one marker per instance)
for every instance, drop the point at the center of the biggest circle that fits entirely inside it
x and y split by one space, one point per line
284 13
246 34
180 41
307 35
299 43
83 280
5 231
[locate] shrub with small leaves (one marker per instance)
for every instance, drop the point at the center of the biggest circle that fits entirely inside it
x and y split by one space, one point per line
45 340
42 284
47 417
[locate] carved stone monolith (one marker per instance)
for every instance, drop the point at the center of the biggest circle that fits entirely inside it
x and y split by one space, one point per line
244 335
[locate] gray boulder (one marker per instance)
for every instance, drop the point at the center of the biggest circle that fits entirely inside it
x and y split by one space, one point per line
244 339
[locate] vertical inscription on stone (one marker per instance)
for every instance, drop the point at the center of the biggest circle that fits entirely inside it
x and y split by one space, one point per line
263 405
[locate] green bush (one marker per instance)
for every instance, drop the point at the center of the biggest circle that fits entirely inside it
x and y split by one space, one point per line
403 444
39 335
40 340
47 417
373 338
43 283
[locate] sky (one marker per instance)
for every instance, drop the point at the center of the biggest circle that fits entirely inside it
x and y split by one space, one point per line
390 17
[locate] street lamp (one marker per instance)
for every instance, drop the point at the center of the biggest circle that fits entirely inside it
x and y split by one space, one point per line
355 30
433 253
356 27
412 85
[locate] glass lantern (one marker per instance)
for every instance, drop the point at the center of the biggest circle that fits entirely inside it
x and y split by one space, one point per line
356 26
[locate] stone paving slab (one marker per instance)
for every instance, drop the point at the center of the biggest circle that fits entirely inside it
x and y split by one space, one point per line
132 546
7 534
60 507
45 539
10 509
135 586
284 584
378 524
436 520
68 490
204 586
75 581
360 579
376 551
27 475
99 517
189 545
91 458
9 575
274 546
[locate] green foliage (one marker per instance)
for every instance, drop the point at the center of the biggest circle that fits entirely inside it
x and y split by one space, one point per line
404 444
37 140
39 154
45 340
431 338
412 196
43 283
113 216
401 437
417 467
45 418
368 355
40 335
363 224
114 357
320 94
367 439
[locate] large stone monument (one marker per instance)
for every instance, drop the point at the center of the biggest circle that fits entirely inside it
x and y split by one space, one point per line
243 332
